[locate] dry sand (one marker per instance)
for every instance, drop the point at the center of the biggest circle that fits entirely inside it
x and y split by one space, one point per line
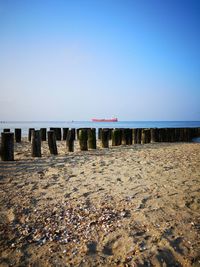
125 206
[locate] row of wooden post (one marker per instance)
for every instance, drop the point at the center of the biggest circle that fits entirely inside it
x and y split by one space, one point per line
87 138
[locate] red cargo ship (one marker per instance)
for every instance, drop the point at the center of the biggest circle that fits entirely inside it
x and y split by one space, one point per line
105 120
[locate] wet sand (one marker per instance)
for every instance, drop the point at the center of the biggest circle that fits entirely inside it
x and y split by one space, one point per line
133 205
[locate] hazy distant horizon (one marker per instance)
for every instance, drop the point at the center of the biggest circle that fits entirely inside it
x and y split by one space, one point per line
74 60
61 121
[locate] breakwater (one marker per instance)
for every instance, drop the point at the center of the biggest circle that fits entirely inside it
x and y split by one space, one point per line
87 138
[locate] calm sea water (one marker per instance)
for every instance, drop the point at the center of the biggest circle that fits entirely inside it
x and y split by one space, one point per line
79 124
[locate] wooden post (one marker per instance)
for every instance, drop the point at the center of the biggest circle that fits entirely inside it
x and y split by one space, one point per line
195 132
18 135
120 137
43 133
164 134
148 136
52 142
65 131
70 141
190 134
198 132
99 133
172 135
186 134
116 137
153 135
130 139
139 134
77 133
7 146
110 133
181 136
73 133
58 133
143 137
177 134
105 133
30 132
92 138
160 135
83 138
6 130
124 136
134 135
127 136
36 144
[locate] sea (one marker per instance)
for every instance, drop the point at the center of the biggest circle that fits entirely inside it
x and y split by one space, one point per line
25 125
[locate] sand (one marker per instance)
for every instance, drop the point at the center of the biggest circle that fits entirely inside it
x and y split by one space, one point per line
133 205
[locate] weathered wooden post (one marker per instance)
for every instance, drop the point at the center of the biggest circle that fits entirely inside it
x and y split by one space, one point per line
43 133
148 136
181 136
134 135
171 138
143 137
7 146
30 132
58 133
18 135
198 132
116 137
52 142
110 133
177 134
160 135
139 135
169 135
105 134
153 135
99 133
191 134
186 134
77 133
194 132
120 136
6 130
164 134
70 141
73 133
83 138
65 131
172 135
36 144
130 138
92 138
126 136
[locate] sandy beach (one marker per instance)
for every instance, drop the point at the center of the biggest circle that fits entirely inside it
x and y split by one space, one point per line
135 205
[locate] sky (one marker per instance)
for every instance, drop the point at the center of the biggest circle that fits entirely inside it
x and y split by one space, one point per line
80 59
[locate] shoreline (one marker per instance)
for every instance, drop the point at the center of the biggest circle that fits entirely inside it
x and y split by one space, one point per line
131 205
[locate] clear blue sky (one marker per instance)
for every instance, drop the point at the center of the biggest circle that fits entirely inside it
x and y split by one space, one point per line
74 60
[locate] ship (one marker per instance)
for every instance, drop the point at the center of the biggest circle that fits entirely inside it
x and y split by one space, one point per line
105 120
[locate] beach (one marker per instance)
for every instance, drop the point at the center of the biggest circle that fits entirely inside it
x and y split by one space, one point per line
136 205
